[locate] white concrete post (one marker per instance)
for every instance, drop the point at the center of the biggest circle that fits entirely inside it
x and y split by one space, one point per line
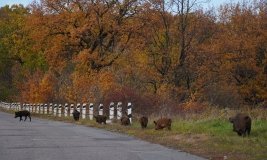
27 107
55 110
59 110
50 110
78 107
111 110
91 111
33 108
12 104
38 108
66 110
45 108
20 106
84 111
129 111
100 109
41 108
71 109
16 107
119 110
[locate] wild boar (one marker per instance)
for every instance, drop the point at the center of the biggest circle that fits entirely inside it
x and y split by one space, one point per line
163 123
101 119
76 115
24 113
125 121
241 124
143 121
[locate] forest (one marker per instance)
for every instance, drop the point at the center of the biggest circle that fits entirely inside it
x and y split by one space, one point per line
160 55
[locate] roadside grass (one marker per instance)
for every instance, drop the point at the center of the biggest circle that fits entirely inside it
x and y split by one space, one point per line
207 134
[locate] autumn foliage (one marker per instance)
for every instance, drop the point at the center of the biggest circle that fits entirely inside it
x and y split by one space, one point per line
153 53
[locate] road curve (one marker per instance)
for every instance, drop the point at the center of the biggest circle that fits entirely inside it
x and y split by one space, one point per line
52 140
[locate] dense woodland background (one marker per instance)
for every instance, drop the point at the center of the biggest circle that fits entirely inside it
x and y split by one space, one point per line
162 55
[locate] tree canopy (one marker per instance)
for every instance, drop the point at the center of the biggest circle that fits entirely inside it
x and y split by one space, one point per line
153 53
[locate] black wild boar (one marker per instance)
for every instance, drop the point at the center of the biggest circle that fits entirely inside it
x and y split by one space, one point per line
24 113
76 115
125 121
241 124
101 119
163 123
143 121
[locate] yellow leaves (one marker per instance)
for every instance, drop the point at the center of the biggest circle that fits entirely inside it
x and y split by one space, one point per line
88 86
46 88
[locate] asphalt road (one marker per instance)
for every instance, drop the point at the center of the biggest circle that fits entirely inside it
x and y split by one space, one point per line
52 140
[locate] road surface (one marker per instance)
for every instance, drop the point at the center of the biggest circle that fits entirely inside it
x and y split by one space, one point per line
52 140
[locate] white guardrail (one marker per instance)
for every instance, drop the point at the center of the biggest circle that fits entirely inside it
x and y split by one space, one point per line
66 110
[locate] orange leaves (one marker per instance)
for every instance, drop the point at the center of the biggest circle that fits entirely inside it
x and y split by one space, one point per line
88 49
46 88
38 88
89 86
